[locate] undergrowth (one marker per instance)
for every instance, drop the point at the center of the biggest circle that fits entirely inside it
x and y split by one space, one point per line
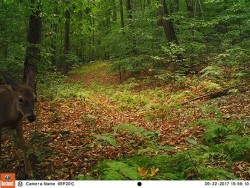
212 158
223 144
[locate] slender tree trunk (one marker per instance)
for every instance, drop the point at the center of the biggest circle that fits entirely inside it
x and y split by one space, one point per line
108 19
34 38
134 4
81 40
114 13
129 9
201 12
54 37
93 39
121 13
122 25
190 8
66 42
90 49
167 24
176 5
169 28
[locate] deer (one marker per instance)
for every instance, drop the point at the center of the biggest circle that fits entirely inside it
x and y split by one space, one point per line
16 103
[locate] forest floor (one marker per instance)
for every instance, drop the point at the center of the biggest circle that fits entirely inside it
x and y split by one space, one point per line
109 119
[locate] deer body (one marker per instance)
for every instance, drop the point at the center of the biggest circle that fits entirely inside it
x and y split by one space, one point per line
16 102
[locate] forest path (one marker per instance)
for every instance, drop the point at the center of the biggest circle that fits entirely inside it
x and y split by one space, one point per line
94 73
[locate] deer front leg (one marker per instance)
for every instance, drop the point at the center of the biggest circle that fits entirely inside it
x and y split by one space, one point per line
28 170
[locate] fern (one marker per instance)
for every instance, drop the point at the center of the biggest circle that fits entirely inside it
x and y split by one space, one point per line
215 135
117 170
210 86
107 138
132 129
211 70
238 148
215 174
180 96
224 144
215 132
237 127
111 174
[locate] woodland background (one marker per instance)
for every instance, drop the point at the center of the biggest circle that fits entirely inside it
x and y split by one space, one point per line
132 89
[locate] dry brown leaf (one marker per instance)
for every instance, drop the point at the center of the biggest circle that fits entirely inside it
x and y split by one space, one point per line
142 171
171 143
154 171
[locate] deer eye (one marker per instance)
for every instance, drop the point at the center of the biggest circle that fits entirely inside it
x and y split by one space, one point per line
20 100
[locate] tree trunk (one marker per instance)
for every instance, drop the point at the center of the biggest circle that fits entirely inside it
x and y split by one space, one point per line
176 5
167 24
32 58
200 13
54 37
122 14
134 4
129 9
81 43
190 8
114 11
92 40
66 41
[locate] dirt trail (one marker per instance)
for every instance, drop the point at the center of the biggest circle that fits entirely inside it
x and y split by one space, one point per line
100 74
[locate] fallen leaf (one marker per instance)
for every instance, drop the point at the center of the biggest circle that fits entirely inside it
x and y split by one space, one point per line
192 140
154 171
142 172
171 143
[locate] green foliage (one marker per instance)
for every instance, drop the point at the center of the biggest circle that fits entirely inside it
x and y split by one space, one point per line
122 169
215 174
38 148
219 143
180 166
172 78
211 86
174 54
87 68
237 147
52 86
212 71
134 65
107 138
131 129
215 133
215 33
73 60
13 17
117 170
231 139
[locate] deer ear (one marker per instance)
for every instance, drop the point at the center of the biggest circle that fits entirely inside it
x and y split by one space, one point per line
30 76
9 81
